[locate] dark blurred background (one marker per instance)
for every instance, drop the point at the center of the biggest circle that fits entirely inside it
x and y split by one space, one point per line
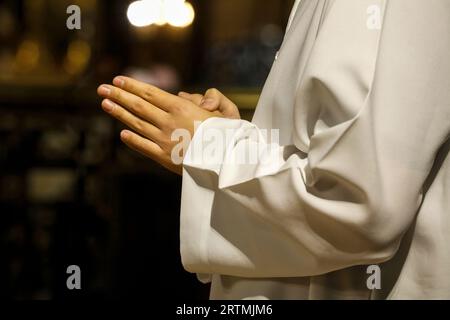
70 192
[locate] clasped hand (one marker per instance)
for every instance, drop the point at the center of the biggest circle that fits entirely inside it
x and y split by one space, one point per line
153 115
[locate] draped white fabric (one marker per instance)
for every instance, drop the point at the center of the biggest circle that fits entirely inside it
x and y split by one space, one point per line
360 176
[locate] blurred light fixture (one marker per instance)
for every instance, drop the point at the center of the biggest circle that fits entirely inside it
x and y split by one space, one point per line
28 55
177 13
143 13
180 16
78 56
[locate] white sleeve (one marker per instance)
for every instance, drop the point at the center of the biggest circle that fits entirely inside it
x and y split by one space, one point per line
350 199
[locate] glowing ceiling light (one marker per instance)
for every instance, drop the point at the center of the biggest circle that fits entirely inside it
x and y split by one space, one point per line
179 13
144 12
161 16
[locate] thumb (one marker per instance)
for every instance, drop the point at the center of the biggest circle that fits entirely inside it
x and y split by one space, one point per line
216 100
211 100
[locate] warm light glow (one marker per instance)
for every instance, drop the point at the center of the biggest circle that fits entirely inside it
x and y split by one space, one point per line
144 12
28 55
161 15
177 13
180 16
78 56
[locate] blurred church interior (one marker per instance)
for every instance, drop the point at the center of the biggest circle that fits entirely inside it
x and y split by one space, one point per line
70 192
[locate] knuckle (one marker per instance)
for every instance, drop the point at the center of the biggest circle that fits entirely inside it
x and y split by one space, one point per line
162 140
148 92
139 125
116 94
142 146
138 145
171 126
177 107
137 107
165 143
117 112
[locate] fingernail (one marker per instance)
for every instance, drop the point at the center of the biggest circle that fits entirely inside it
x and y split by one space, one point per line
124 134
104 90
119 82
207 102
108 105
182 93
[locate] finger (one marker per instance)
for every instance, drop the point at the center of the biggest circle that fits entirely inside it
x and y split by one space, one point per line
159 98
210 104
212 100
148 149
195 98
134 104
137 124
144 146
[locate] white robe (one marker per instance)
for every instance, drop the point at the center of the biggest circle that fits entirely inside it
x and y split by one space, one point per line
361 175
